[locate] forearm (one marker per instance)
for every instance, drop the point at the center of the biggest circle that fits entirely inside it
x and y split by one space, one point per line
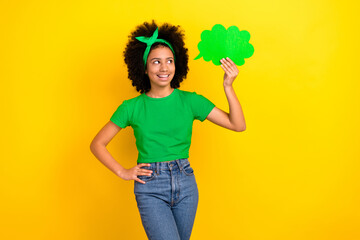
102 154
236 115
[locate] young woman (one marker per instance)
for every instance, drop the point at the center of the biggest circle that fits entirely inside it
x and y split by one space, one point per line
161 117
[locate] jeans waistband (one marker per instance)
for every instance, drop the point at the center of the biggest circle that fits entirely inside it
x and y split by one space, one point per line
169 165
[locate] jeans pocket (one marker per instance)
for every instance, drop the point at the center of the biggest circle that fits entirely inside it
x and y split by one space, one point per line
147 178
187 169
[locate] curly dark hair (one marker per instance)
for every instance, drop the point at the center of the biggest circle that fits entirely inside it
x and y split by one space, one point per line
135 49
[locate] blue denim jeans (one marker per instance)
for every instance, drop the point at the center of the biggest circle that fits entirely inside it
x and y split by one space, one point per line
168 201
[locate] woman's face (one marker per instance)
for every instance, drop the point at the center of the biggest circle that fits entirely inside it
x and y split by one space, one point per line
160 66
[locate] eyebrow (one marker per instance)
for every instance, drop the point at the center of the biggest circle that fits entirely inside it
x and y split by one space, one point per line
160 58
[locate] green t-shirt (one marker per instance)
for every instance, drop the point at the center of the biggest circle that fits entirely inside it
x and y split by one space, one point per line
162 126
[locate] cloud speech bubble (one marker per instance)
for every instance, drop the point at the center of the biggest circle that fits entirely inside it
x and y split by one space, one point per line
221 43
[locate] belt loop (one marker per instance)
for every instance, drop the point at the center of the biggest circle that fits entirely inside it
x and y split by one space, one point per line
178 162
157 168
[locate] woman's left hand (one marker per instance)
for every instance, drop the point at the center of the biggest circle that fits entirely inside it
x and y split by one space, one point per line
231 71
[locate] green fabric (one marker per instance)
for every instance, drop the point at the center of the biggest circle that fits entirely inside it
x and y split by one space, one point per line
162 126
150 41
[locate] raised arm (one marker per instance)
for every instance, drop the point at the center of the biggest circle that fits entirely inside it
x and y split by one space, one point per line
234 120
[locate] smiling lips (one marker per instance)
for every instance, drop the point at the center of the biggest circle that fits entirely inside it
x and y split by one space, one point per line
163 77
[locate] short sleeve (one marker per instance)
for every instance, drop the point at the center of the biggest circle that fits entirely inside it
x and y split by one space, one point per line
201 106
121 117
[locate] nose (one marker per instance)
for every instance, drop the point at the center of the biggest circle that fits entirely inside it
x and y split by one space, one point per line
163 68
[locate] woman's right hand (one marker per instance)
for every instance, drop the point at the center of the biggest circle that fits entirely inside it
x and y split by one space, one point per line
132 173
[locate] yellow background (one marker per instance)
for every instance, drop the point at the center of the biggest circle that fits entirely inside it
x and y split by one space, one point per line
293 174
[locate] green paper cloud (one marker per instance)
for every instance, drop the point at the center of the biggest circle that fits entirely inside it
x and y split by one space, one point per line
221 43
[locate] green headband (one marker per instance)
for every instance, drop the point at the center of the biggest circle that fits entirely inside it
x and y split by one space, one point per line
150 41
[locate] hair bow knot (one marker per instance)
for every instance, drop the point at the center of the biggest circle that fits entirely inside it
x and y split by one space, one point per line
150 41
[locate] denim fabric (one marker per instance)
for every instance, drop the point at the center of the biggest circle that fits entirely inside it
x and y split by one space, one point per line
168 201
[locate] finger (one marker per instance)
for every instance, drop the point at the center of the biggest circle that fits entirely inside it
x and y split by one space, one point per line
144 165
226 67
230 61
232 68
228 64
223 61
223 67
229 74
138 180
226 70
232 65
144 172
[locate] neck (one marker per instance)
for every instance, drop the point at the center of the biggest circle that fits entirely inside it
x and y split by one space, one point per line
159 92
